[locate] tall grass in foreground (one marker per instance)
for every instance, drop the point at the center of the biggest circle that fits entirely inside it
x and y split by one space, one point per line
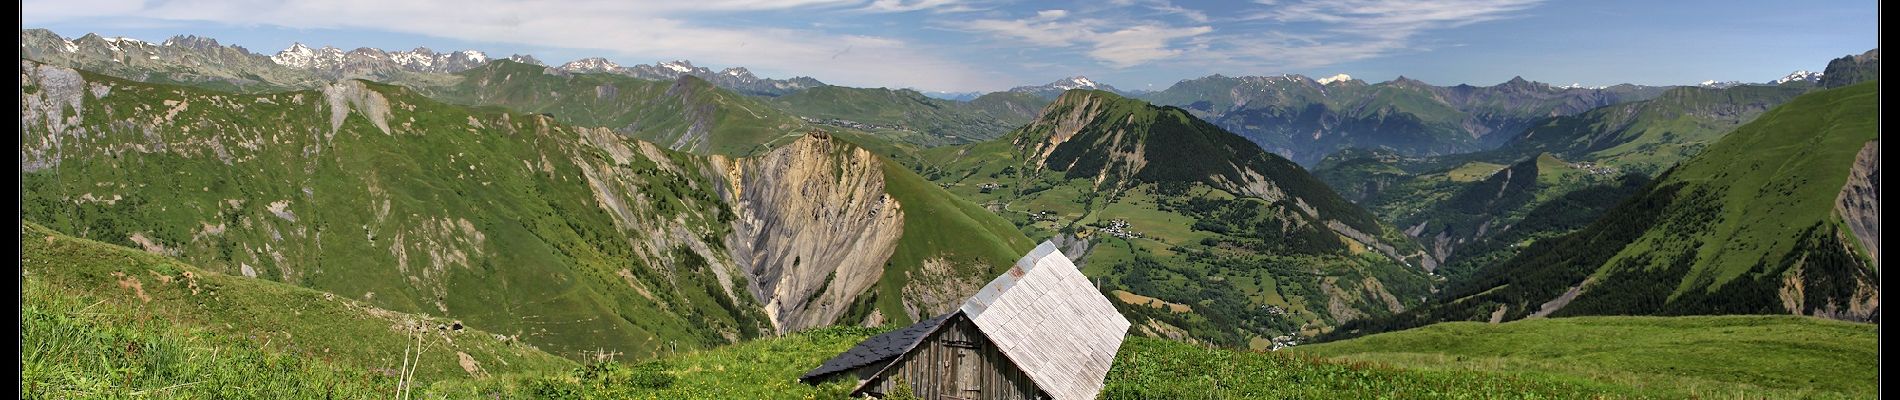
75 346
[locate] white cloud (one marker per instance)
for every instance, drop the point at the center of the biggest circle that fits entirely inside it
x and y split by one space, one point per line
1141 44
901 6
1115 42
1351 30
646 29
1191 14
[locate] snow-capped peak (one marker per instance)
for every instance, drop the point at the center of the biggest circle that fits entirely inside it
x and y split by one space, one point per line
301 56
680 66
738 72
1801 75
1719 84
1076 82
590 64
1335 78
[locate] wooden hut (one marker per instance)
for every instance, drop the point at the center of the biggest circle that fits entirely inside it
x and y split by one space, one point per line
1039 331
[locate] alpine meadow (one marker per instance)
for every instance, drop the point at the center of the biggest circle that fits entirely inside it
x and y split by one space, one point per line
948 199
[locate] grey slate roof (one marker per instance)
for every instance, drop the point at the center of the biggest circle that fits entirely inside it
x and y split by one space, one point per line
878 348
1048 319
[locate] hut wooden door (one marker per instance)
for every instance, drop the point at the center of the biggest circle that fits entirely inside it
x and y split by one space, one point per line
967 384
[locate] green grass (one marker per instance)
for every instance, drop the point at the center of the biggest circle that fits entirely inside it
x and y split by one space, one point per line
79 346
1698 356
1144 368
93 336
1777 174
938 224
1473 171
177 323
764 369
1159 369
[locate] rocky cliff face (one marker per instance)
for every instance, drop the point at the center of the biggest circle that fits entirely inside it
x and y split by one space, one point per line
1859 201
814 227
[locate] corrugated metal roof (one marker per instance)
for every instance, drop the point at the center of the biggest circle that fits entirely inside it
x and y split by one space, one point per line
877 348
1048 319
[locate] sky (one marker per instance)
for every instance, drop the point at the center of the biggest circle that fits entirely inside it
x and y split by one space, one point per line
987 45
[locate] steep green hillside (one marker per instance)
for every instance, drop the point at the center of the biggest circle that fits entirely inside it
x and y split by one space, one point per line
378 194
1199 233
159 320
1604 151
1652 135
1679 357
946 242
687 114
1777 217
575 239
908 116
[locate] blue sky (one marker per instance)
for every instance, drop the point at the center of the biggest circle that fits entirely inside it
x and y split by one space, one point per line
983 45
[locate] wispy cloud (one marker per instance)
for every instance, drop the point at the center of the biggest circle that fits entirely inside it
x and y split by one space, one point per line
666 29
1267 35
1117 43
936 6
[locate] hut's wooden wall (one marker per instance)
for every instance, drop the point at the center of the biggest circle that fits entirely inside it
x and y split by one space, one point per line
957 362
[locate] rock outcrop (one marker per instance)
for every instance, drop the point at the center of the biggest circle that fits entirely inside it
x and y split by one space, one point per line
814 227
1859 201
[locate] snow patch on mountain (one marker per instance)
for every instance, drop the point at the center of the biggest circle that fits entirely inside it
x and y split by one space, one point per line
1800 76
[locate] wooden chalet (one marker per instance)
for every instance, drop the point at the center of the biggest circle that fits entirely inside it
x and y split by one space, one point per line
1039 331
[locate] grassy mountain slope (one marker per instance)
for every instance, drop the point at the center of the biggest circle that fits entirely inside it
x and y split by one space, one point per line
1652 135
1707 357
1602 151
687 114
576 239
379 194
1167 209
941 232
85 301
1759 223
908 116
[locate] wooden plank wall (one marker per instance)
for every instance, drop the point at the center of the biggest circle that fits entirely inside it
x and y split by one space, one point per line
934 372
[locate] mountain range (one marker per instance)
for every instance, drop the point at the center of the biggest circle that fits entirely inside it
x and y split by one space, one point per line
1304 119
563 214
1060 86
203 61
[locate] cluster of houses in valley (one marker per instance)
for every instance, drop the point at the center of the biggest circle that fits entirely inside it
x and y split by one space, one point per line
851 124
1044 215
1593 168
1283 341
1120 228
987 187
